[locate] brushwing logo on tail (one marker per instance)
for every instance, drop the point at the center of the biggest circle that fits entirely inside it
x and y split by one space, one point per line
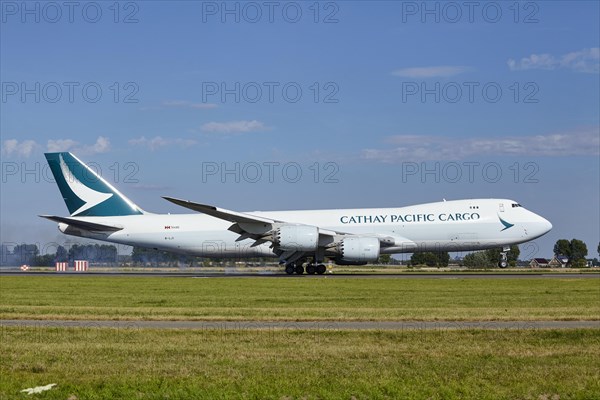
90 197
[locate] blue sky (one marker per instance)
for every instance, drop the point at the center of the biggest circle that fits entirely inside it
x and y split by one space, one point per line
393 103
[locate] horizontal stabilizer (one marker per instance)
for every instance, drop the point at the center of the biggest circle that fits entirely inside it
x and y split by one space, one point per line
85 225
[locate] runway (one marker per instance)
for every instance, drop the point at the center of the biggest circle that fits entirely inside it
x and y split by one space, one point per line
408 275
304 325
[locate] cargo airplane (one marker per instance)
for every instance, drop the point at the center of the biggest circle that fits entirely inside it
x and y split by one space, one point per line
298 238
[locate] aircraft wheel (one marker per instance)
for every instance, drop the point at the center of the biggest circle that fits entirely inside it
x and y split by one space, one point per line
311 269
299 269
321 269
289 269
503 263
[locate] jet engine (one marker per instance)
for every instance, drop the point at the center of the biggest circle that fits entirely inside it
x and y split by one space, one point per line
297 237
357 250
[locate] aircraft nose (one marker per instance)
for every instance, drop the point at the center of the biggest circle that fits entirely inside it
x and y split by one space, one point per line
540 226
546 225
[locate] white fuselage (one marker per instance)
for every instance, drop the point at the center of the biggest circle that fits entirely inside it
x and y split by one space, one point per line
458 225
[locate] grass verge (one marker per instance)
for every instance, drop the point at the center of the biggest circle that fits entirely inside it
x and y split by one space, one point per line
139 298
184 364
296 299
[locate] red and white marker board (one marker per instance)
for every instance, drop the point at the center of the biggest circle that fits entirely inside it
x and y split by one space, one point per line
81 265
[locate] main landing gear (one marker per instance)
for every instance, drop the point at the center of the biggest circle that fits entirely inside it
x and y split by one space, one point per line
311 269
290 268
503 263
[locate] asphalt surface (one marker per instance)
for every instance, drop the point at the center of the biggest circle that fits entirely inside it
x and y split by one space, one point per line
305 325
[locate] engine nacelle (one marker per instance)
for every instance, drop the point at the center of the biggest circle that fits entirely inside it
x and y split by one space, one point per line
297 237
358 250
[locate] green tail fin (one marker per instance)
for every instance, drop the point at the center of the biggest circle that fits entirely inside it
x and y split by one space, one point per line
84 191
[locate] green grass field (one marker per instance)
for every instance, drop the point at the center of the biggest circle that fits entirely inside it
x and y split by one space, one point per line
107 363
213 364
293 299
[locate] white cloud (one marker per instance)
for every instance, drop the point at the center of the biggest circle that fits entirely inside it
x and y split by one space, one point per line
442 71
585 60
60 145
20 149
233 126
158 142
102 145
582 142
27 147
188 104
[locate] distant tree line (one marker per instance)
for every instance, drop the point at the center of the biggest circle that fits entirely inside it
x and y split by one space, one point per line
430 259
30 254
574 250
479 259
153 257
142 256
489 258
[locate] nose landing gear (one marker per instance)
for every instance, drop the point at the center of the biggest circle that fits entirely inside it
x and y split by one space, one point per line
503 263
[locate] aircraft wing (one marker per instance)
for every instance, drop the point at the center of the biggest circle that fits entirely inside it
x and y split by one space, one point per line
261 229
243 221
221 213
253 226
85 225
249 226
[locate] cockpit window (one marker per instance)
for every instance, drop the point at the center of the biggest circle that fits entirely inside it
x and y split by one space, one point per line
514 205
